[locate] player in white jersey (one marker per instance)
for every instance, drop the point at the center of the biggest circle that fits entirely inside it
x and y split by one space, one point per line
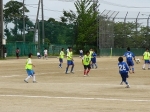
45 53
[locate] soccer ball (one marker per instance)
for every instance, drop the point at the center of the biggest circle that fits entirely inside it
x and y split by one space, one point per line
137 61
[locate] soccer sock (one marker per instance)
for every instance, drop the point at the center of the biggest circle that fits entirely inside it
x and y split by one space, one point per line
144 66
148 65
60 64
88 71
34 77
67 69
132 69
27 78
84 71
95 65
72 68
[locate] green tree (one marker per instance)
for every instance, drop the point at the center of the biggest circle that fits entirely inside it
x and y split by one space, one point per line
86 22
13 11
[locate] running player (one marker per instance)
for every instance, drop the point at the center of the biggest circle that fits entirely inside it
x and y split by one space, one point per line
146 57
129 58
123 70
94 59
45 53
86 61
61 57
29 69
70 61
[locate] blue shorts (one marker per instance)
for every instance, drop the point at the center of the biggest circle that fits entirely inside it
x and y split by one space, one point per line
93 60
70 62
130 63
147 61
30 72
81 54
60 60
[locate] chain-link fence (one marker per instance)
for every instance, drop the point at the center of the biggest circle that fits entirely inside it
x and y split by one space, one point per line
123 29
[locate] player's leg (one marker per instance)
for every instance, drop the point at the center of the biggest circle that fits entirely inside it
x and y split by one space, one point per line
125 76
29 73
132 66
85 67
34 80
61 61
121 79
89 68
68 64
72 63
148 65
145 62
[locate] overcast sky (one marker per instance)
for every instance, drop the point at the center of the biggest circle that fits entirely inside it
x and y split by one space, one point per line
54 8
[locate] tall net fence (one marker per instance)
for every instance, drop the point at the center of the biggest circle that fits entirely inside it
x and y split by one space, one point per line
119 30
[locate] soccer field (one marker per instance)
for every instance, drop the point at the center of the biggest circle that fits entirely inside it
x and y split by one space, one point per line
59 92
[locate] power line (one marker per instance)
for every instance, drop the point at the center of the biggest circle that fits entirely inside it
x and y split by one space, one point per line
45 9
119 5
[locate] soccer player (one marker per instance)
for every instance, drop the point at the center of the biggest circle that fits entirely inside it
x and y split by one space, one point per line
91 52
94 59
45 53
17 53
146 57
29 69
70 61
123 70
129 59
61 57
38 55
81 53
86 61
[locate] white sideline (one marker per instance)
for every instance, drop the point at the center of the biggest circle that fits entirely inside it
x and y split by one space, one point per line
77 98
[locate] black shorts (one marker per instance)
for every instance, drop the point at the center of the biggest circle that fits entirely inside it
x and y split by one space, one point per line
17 54
87 66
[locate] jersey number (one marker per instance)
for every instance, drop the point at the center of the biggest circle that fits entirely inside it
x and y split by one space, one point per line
87 59
122 68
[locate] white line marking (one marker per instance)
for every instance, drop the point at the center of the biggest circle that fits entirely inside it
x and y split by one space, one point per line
11 76
77 98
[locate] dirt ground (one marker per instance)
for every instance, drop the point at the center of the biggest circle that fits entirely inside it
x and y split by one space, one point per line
60 92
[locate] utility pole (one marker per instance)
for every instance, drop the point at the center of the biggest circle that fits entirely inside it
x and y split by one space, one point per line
24 22
36 23
95 8
1 29
43 32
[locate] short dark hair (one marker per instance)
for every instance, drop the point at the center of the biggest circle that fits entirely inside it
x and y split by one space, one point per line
147 48
29 55
128 48
62 48
87 52
120 59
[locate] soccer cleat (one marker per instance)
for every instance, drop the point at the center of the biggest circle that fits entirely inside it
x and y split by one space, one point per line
34 82
72 72
128 86
132 71
148 68
60 67
143 68
121 83
95 67
25 81
85 75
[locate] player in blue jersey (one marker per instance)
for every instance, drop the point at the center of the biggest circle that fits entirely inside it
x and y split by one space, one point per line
94 59
123 70
129 58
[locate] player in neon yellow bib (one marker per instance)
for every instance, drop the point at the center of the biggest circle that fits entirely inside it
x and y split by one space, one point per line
29 69
146 57
70 61
86 61
61 57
